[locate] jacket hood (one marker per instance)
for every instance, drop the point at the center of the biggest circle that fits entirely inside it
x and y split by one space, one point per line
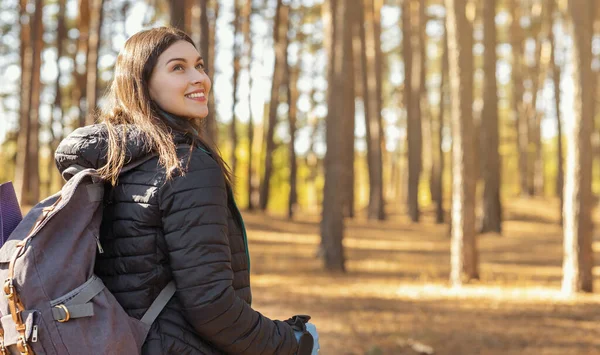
88 146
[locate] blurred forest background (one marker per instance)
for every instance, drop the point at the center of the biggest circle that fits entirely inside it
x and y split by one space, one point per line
406 147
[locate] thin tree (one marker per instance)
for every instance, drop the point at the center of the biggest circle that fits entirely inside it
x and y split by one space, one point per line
556 75
280 42
207 50
27 178
248 44
22 167
492 207
349 126
578 226
438 161
237 54
521 123
58 113
368 31
292 74
95 30
413 63
464 259
78 91
332 224
178 9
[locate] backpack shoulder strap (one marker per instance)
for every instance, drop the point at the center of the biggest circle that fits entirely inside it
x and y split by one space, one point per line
159 304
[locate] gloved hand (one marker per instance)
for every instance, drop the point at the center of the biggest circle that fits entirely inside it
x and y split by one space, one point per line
313 331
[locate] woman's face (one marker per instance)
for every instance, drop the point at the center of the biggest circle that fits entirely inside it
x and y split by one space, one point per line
178 83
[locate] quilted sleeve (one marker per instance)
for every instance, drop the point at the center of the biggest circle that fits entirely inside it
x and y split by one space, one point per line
194 216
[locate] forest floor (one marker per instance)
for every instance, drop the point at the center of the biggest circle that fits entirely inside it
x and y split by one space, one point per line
395 297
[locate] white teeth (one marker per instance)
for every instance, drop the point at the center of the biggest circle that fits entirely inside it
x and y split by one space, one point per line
195 95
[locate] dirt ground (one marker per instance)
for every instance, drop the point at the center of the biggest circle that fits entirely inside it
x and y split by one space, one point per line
395 297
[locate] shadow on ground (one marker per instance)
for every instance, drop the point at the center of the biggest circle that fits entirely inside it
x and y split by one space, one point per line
395 292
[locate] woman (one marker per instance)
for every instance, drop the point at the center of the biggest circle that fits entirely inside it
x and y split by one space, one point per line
174 216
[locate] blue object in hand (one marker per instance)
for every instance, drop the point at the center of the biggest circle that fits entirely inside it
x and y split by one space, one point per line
313 331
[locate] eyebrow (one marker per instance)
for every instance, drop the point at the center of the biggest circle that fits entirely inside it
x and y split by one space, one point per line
182 59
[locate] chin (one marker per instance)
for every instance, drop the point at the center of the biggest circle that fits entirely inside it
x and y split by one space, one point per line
201 114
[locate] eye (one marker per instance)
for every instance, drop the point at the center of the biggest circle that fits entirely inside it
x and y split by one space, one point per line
177 67
200 66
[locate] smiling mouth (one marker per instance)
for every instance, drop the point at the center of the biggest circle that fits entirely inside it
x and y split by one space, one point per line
197 96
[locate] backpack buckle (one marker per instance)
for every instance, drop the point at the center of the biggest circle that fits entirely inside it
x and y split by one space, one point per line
9 288
22 346
67 314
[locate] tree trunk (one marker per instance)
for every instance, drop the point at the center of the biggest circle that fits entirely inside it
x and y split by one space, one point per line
556 74
517 100
438 163
58 113
492 208
280 43
27 179
22 166
578 226
464 259
80 86
292 73
539 75
237 53
292 100
370 87
247 31
413 78
36 91
178 9
95 32
349 126
207 51
332 224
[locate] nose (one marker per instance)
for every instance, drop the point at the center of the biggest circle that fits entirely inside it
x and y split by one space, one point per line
198 77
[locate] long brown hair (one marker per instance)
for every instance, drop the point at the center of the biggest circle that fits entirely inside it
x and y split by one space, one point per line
130 104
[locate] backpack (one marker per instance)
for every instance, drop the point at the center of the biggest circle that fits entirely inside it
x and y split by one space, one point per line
51 302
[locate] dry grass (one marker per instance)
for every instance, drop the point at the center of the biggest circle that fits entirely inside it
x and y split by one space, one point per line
396 293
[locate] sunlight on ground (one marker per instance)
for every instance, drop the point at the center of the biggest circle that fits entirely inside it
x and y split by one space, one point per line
396 294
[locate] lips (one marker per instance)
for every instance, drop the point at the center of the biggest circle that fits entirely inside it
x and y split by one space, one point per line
196 95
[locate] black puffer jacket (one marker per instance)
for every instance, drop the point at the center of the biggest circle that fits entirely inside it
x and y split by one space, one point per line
187 229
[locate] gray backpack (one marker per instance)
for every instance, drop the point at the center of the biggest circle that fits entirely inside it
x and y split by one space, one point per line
51 302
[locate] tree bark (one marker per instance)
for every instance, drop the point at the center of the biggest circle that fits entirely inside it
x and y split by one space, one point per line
539 74
517 100
412 43
492 207
556 76
292 100
58 113
464 259
370 87
207 51
79 89
178 9
292 73
237 53
95 31
332 224
27 178
22 167
280 43
438 162
578 226
350 122
247 31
